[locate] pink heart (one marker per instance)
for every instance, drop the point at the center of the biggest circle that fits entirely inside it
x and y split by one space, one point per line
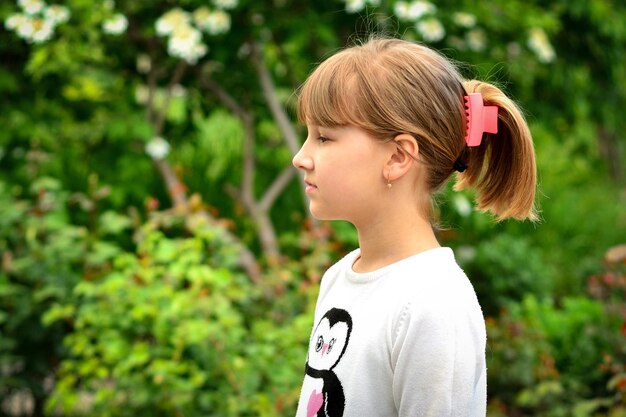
315 403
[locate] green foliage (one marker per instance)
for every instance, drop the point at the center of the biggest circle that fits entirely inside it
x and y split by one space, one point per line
217 150
561 361
505 268
139 330
42 260
128 316
169 330
541 355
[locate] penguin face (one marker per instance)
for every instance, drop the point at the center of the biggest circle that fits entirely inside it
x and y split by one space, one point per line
329 341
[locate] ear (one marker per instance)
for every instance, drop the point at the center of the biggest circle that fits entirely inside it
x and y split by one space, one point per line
406 152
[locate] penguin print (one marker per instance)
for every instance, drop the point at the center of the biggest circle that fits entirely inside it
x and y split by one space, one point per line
327 346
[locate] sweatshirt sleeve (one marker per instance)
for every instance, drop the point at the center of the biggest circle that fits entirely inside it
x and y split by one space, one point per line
439 361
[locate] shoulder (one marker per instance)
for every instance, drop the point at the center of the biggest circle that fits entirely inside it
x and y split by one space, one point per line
433 278
438 298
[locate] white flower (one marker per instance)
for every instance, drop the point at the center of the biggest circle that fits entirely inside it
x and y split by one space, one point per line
462 205
184 37
355 6
225 4
31 7
39 28
57 14
465 20
15 21
214 23
476 40
33 29
431 29
466 253
200 16
417 9
142 94
185 40
185 43
116 25
172 20
25 27
42 30
195 52
413 11
539 43
178 91
157 148
144 64
401 10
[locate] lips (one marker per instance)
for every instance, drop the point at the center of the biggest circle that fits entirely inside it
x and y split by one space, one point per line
309 186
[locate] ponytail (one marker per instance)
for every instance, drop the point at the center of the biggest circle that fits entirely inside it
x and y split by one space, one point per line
502 169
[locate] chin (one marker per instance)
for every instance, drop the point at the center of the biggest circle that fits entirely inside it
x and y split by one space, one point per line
324 212
319 214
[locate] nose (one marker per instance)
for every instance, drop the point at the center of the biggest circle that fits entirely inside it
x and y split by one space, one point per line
324 348
302 160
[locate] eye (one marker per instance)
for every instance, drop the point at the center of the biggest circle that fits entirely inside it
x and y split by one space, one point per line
319 344
330 344
322 139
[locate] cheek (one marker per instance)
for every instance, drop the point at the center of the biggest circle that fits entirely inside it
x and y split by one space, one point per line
342 183
351 177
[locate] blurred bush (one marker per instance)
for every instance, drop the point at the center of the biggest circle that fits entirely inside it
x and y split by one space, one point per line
172 326
119 297
565 360
42 260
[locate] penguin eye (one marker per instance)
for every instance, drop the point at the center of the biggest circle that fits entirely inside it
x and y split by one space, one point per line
330 344
320 343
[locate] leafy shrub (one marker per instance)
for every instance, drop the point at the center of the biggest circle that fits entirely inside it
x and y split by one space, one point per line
609 287
505 268
560 360
173 328
42 260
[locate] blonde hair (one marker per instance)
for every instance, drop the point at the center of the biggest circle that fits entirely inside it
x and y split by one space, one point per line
390 86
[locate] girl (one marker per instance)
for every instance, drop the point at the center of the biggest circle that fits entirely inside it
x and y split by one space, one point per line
398 330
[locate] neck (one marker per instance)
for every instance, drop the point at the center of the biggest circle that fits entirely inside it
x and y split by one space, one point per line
395 236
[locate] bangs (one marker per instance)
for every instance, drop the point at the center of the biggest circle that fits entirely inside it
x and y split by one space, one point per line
328 96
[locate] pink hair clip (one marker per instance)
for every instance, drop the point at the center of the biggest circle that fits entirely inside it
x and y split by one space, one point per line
480 119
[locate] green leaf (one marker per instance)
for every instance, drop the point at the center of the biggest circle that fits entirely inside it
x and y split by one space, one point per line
113 223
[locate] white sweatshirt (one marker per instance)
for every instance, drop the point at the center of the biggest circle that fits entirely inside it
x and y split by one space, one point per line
405 340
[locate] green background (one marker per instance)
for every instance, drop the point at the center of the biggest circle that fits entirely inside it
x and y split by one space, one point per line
185 286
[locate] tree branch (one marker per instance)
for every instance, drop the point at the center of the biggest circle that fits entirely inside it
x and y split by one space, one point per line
277 187
226 99
258 212
269 91
279 113
176 188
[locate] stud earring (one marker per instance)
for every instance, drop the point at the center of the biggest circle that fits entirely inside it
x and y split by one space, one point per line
388 182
